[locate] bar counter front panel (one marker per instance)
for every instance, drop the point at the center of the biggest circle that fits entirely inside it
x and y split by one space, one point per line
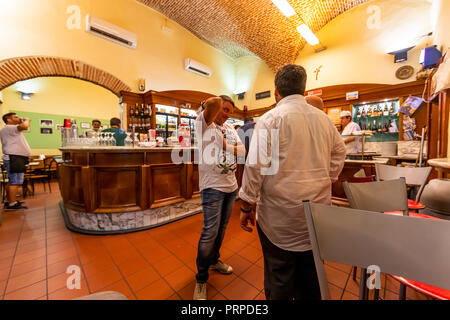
114 190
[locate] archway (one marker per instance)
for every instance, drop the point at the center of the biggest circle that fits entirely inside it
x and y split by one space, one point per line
23 68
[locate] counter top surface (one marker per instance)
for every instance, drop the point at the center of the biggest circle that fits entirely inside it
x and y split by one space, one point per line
127 149
378 160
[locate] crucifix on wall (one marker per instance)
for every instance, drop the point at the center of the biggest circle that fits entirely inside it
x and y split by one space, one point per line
317 71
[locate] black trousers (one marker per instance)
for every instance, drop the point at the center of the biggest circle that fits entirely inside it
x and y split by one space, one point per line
287 274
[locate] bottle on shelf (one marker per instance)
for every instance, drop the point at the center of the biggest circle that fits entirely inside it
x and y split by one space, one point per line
380 128
385 128
358 114
369 111
374 126
386 110
363 112
365 128
392 110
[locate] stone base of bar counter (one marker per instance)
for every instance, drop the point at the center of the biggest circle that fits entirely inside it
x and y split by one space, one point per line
126 222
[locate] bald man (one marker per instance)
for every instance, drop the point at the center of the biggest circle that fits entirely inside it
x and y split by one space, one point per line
315 101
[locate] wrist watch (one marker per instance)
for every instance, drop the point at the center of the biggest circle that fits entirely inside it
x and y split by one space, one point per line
246 211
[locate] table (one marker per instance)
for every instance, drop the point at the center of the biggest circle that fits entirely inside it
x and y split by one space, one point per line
442 165
394 160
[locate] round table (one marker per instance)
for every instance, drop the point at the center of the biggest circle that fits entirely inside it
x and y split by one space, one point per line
441 164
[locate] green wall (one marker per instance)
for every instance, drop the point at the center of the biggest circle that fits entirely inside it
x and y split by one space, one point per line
37 140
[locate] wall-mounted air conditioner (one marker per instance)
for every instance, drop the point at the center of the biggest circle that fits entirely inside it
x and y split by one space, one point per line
197 67
110 32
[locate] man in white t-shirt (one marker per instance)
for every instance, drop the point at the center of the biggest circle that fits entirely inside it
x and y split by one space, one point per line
15 156
352 144
218 145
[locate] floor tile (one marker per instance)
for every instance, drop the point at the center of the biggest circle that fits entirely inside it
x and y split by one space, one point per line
238 263
31 292
254 276
168 265
62 266
142 278
119 286
26 280
158 290
336 277
132 266
180 278
239 289
219 281
103 279
69 294
22 268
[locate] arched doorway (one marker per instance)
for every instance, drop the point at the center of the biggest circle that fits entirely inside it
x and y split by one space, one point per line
23 68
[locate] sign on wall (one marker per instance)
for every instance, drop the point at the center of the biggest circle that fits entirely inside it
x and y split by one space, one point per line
263 95
352 95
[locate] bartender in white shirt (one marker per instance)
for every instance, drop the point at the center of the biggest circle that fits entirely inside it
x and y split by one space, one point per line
352 144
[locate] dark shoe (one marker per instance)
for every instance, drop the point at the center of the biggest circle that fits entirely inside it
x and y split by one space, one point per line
17 206
20 202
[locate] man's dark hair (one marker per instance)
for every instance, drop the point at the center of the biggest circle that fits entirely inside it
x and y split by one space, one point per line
97 121
114 122
7 116
227 99
248 120
290 79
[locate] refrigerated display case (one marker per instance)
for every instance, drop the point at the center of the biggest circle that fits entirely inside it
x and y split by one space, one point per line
166 121
380 117
187 118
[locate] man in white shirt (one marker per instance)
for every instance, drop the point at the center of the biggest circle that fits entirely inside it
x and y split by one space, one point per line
15 156
305 155
218 146
352 144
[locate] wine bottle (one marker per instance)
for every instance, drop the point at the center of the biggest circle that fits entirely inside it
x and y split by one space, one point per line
380 128
385 128
358 114
368 126
369 111
374 126
386 110
363 112
391 110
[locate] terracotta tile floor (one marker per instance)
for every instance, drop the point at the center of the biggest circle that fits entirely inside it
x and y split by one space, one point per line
36 249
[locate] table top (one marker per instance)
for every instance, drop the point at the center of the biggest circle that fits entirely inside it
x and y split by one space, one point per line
442 163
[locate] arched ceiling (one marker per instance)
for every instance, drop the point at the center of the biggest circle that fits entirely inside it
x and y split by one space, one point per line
252 27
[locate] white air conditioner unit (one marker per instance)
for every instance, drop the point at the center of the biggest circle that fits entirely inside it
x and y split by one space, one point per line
197 67
110 32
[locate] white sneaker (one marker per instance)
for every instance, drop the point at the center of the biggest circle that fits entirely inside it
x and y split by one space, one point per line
200 291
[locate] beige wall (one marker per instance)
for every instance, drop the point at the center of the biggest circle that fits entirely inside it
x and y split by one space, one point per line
62 96
253 76
39 28
357 54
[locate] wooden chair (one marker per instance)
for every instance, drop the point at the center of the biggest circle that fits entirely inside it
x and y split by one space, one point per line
347 236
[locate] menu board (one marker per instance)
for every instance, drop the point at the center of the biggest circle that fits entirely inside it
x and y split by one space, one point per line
334 114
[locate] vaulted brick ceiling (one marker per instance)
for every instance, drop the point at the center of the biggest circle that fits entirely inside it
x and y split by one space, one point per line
252 27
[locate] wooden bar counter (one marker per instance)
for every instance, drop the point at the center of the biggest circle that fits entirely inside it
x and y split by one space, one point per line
108 190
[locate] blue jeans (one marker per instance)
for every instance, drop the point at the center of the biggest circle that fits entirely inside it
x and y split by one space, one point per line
217 208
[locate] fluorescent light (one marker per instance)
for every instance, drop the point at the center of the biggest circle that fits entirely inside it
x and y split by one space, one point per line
284 7
308 34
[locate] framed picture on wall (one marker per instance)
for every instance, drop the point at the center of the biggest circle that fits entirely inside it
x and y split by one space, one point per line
46 130
46 123
85 125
